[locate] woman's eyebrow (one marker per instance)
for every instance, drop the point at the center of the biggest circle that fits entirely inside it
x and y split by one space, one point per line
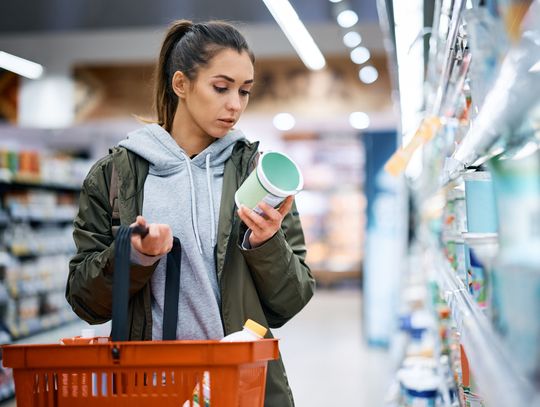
229 79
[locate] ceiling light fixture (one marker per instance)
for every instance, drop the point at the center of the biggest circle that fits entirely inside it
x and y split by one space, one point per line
20 66
284 121
368 74
352 39
360 55
296 33
359 120
347 18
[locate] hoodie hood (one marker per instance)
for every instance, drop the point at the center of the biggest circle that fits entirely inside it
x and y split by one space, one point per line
166 157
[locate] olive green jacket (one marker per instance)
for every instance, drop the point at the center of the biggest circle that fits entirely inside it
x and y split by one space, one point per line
269 284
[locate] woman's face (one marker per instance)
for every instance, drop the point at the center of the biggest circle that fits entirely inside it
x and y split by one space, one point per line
220 92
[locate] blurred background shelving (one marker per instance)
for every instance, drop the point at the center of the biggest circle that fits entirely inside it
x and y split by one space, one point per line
472 164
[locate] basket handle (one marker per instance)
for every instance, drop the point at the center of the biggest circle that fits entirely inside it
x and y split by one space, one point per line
119 330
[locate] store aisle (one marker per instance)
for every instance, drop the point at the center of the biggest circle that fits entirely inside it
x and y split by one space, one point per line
327 361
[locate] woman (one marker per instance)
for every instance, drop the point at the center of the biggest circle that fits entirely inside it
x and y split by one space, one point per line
178 177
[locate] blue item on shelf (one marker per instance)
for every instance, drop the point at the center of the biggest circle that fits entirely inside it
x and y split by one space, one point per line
480 203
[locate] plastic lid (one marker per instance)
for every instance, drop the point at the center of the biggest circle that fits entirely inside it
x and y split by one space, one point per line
255 327
282 175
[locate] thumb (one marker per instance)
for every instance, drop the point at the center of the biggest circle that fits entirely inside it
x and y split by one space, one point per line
141 221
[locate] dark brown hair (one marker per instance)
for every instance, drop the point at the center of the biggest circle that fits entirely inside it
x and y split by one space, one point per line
187 47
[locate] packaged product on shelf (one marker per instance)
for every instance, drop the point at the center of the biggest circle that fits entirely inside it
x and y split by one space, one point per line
516 277
517 193
477 279
462 252
480 203
419 325
419 386
515 304
455 216
511 98
488 42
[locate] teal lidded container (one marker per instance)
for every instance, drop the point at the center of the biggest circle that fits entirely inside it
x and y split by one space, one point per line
276 177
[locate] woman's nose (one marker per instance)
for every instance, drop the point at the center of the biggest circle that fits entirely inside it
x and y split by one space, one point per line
234 103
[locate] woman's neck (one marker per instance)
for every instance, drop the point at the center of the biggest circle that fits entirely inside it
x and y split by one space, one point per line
188 135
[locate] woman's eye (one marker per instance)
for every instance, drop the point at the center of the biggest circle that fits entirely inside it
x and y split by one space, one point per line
245 92
219 89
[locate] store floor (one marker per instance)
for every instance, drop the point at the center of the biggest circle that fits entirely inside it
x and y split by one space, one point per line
327 361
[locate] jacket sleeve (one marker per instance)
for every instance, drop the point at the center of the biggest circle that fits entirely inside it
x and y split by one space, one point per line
278 268
89 285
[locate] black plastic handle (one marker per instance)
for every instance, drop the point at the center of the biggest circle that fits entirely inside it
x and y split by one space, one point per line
140 230
120 298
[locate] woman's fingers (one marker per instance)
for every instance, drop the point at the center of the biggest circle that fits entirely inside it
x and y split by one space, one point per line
286 206
157 242
252 220
271 213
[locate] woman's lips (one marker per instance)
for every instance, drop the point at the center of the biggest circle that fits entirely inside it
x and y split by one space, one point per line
227 122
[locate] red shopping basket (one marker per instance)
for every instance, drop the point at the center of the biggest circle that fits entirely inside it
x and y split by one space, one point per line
146 373
165 373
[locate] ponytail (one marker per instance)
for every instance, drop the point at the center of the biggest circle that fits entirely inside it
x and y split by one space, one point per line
186 48
166 100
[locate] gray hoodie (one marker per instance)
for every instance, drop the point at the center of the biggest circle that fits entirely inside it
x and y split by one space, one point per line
185 194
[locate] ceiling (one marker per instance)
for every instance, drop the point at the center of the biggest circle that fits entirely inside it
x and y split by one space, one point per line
68 15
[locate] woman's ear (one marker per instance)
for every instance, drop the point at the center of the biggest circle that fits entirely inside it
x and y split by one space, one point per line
179 84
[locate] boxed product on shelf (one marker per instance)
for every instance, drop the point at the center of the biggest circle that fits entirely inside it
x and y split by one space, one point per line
42 167
40 206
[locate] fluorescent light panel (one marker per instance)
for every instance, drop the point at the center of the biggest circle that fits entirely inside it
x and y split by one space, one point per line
296 33
20 66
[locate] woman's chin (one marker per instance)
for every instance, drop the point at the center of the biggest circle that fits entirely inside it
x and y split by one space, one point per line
218 133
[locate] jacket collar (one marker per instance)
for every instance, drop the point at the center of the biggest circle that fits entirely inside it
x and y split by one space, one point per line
236 171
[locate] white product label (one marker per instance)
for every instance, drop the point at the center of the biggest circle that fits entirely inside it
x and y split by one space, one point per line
271 200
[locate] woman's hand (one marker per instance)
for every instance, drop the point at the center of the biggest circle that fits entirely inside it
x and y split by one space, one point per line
265 226
157 242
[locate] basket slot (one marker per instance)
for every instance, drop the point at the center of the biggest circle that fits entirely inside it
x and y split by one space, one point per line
40 388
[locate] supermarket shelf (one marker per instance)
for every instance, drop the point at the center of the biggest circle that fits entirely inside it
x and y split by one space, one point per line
28 288
35 326
449 56
491 363
504 111
25 184
24 255
52 220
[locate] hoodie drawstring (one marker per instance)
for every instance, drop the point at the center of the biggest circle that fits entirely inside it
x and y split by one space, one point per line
193 204
211 196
